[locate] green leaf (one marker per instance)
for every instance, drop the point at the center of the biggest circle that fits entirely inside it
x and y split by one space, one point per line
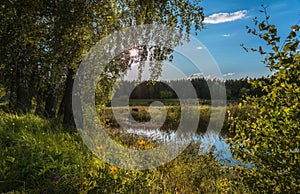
275 48
10 159
262 26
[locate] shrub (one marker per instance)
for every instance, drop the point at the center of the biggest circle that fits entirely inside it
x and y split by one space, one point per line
270 139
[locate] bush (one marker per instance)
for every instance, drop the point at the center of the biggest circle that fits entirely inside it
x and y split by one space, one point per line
270 139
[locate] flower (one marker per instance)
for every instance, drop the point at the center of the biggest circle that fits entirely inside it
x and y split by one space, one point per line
113 169
142 143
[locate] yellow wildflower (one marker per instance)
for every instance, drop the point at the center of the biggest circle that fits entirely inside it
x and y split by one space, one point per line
142 143
113 169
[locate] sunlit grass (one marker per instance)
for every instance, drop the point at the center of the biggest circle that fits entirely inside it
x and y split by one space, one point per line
38 156
141 114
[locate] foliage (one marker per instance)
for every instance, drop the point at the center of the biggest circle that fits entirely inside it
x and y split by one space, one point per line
43 43
3 95
269 140
38 156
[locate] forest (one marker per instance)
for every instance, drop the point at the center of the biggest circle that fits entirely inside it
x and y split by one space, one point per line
42 46
235 89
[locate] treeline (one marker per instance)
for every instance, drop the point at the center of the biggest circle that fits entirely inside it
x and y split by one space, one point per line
235 89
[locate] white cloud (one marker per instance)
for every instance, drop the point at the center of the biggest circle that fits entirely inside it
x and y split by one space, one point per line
228 74
199 48
225 17
226 35
196 75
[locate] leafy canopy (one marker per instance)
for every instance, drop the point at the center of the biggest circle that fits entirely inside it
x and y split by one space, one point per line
269 139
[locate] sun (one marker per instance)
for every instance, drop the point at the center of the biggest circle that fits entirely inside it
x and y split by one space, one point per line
134 52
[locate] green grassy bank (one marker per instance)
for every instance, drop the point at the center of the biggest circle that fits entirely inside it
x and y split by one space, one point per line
38 156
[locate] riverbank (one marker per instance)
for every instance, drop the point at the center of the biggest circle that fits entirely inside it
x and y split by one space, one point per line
38 156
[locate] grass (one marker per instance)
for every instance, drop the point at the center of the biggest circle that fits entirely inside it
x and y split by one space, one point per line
38 156
142 114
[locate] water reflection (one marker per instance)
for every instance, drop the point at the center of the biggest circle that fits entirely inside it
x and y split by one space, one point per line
205 141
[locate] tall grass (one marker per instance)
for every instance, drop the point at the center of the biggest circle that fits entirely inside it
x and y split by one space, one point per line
38 156
141 114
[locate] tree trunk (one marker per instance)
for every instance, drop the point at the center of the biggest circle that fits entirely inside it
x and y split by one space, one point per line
39 109
68 118
50 105
20 100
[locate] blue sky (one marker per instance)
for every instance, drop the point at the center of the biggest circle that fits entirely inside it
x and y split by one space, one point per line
225 31
218 45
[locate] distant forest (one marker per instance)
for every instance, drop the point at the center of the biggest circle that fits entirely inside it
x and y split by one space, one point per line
235 89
